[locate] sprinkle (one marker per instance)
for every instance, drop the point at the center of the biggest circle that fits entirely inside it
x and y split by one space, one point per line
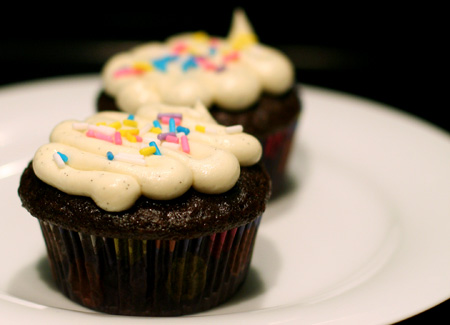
117 125
200 36
185 144
166 120
147 151
129 158
161 64
79 126
109 155
163 136
234 129
156 124
172 127
142 66
174 115
153 144
171 145
130 137
63 156
200 128
123 132
155 130
107 130
147 127
183 129
190 63
117 138
180 134
180 47
99 135
126 72
138 138
131 123
172 138
244 40
58 160
232 56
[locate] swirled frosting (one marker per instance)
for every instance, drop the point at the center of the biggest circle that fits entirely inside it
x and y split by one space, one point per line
160 152
230 72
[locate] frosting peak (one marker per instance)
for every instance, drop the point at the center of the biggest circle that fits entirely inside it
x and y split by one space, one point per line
160 152
231 72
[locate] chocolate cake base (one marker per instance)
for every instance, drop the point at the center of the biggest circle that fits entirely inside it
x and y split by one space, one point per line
156 259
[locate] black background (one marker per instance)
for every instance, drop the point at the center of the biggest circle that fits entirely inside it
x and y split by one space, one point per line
391 55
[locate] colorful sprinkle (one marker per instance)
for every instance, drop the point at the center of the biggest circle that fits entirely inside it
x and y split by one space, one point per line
163 136
153 144
63 156
147 151
185 144
156 124
200 128
58 160
234 129
130 123
171 145
183 129
161 64
109 155
190 63
116 125
99 135
147 127
155 130
117 138
166 120
172 127
172 138
129 158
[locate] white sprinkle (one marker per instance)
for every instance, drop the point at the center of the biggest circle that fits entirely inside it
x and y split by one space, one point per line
58 160
145 129
103 129
180 134
234 129
209 129
79 126
130 158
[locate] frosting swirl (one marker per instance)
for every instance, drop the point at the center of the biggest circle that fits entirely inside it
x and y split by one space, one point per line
160 152
231 72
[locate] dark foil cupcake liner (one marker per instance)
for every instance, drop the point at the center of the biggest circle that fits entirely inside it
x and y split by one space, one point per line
276 153
149 277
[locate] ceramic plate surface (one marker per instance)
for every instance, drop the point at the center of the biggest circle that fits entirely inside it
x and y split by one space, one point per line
361 235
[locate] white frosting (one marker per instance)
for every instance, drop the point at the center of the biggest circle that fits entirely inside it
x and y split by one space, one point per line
212 165
231 72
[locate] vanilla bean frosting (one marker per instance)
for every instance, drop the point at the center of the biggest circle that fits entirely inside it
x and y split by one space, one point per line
231 72
160 152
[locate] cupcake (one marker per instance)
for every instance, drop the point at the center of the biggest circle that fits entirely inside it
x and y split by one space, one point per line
240 80
148 214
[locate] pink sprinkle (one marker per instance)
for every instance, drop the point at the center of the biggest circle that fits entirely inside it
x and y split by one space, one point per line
126 72
179 48
98 135
117 138
233 56
166 119
205 63
171 138
185 144
138 138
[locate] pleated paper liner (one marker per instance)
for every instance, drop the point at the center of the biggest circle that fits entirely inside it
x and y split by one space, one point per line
149 277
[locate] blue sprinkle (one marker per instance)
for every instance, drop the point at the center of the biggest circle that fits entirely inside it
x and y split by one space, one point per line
172 125
110 155
183 129
212 51
130 117
63 157
161 64
156 124
189 64
153 144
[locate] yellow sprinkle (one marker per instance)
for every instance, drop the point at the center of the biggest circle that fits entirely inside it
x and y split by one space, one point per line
155 130
130 137
124 132
200 36
131 123
143 66
200 128
101 123
147 151
243 40
117 125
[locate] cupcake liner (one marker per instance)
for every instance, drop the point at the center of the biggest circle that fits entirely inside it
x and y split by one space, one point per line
149 277
276 151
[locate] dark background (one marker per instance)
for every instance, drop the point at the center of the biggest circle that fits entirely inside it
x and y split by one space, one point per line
390 55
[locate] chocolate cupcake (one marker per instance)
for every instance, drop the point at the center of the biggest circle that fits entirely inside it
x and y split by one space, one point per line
239 79
150 214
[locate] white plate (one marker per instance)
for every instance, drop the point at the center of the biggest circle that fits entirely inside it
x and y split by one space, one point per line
362 236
